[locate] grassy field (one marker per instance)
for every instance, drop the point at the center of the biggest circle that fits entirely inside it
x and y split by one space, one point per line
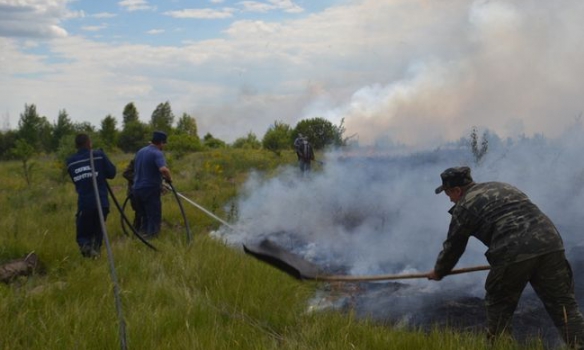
205 295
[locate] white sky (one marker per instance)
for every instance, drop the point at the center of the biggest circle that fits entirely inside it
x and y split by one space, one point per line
415 72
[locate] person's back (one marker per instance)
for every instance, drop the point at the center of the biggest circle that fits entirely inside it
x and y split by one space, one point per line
298 142
89 235
505 220
149 170
307 151
79 168
147 166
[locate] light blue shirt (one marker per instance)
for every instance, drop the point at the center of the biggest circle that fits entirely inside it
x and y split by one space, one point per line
147 166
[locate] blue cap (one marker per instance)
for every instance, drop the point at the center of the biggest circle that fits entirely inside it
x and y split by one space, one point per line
159 136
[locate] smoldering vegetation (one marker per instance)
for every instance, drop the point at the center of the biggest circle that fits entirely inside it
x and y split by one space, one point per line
373 211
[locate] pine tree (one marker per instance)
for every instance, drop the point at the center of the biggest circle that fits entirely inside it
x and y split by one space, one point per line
130 115
61 128
108 132
162 118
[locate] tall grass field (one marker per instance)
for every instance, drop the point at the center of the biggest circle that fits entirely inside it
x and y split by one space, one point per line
202 295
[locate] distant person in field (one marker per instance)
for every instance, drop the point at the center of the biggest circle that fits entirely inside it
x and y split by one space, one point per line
149 170
304 152
298 141
524 247
89 231
128 174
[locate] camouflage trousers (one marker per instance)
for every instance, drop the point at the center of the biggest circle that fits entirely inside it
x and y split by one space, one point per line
551 277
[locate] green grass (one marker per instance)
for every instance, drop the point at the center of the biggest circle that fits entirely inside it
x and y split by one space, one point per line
201 296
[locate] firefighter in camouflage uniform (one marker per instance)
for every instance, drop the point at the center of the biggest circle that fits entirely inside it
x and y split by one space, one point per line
524 247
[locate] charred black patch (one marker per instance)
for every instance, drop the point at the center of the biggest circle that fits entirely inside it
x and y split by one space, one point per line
409 306
412 305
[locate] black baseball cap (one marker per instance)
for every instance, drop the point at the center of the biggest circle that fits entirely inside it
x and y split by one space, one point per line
454 177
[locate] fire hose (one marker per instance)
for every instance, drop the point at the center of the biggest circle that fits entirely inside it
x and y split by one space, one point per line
125 222
203 209
182 210
110 256
125 219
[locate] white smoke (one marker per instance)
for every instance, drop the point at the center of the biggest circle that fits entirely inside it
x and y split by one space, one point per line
504 65
378 214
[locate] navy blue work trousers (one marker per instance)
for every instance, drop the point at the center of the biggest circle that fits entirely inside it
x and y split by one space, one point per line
89 233
149 208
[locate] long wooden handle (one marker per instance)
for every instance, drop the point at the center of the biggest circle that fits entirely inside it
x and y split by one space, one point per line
340 278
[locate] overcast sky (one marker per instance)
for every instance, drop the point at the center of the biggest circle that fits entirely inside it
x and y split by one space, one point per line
414 72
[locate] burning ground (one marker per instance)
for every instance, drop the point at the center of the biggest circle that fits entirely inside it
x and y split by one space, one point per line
377 214
415 306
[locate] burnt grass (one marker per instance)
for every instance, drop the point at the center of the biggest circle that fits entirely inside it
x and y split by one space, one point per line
409 306
405 306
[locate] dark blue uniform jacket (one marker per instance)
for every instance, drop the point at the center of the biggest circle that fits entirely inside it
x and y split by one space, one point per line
79 168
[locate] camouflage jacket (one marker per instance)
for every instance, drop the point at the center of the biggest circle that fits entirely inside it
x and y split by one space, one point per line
128 174
505 220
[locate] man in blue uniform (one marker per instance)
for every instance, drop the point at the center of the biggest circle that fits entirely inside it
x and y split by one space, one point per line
149 170
89 233
524 247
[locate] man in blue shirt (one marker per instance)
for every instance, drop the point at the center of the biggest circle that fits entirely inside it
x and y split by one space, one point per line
89 233
149 170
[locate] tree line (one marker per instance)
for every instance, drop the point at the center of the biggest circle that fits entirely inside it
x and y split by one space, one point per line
36 135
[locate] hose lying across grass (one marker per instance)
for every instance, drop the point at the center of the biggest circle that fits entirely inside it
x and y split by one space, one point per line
110 257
